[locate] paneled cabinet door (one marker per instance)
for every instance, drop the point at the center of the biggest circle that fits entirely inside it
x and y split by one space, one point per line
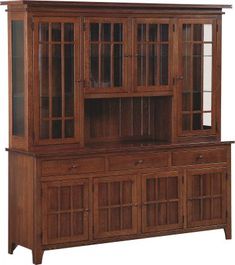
106 54
65 211
162 201
197 80
115 206
152 54
206 203
56 72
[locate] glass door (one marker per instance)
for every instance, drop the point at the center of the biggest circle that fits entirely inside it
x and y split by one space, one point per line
56 52
197 47
152 54
106 55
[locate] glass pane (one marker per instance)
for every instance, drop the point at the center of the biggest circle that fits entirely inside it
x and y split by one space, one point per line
187 32
18 78
68 32
94 31
69 79
152 78
44 79
69 128
207 101
105 65
164 64
117 64
207 32
197 67
187 66
207 74
207 120
44 129
153 32
186 102
141 65
207 49
117 32
164 29
56 81
197 101
197 32
186 122
56 31
105 32
197 121
56 129
43 29
141 32
94 68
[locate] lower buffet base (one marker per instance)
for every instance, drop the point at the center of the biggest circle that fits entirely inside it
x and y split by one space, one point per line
71 199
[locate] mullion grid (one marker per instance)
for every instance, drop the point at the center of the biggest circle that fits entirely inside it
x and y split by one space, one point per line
62 44
202 197
157 201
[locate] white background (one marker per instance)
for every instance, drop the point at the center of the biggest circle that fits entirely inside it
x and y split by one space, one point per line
208 247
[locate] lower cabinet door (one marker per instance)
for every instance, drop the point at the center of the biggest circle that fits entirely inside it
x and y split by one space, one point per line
206 202
161 201
65 211
115 206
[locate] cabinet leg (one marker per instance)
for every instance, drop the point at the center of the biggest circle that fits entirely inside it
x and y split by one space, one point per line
228 232
37 256
12 246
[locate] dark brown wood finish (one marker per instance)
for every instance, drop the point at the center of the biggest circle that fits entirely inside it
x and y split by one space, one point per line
105 155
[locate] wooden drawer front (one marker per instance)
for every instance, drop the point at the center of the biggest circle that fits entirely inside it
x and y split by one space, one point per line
138 161
72 166
215 155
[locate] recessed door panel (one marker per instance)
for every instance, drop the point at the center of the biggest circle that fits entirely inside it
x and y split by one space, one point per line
115 206
65 211
206 196
161 201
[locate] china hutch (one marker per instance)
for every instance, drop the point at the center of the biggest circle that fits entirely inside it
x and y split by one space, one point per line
115 123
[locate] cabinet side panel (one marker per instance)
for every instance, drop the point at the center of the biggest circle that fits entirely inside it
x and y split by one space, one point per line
21 171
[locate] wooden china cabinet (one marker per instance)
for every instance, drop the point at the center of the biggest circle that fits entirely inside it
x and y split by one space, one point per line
114 123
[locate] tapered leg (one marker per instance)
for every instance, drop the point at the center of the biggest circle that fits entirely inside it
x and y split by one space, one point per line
11 247
37 256
228 232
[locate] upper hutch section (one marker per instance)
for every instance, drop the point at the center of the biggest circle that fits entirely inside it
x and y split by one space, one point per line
83 73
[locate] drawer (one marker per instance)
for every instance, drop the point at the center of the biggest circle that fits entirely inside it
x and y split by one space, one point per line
142 160
72 166
214 155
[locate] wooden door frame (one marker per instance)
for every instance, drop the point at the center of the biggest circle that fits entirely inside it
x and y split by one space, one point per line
189 173
159 21
156 175
213 130
78 113
118 178
126 68
45 186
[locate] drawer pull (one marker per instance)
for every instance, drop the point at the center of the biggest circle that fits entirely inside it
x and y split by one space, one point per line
86 210
139 162
199 157
73 167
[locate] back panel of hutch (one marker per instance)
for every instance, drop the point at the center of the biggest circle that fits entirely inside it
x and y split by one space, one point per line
114 123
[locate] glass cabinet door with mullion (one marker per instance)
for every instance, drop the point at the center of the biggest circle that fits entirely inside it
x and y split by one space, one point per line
196 83
106 54
152 54
56 52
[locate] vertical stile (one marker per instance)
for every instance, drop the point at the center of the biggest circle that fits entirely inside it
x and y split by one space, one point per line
147 55
62 45
111 56
50 80
100 44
